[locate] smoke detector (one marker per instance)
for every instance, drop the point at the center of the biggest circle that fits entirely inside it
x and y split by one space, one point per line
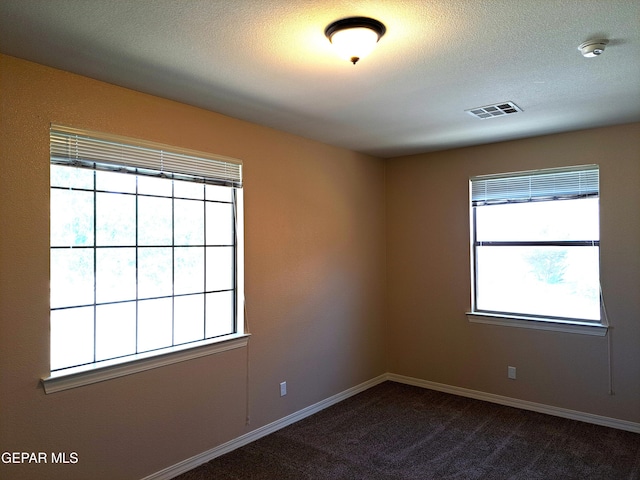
592 48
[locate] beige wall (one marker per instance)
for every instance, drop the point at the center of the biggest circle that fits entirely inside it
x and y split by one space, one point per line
429 281
314 221
318 265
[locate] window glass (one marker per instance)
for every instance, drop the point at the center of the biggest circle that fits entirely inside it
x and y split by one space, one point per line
551 220
71 178
188 276
219 268
220 223
115 274
155 272
115 182
183 189
155 186
218 193
72 278
115 219
140 261
71 337
189 319
115 330
188 222
155 324
155 221
219 315
71 218
545 281
537 257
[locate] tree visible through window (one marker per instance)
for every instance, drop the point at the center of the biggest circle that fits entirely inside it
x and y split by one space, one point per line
536 244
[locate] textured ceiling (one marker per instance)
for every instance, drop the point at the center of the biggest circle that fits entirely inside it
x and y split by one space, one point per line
267 61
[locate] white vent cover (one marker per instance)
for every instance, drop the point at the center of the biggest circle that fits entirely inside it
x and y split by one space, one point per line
496 110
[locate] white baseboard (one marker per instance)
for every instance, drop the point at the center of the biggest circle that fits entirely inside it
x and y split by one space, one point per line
197 460
517 403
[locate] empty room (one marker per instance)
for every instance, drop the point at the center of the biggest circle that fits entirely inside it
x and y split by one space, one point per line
287 239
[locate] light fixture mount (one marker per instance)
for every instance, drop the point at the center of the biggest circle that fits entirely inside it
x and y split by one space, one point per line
355 36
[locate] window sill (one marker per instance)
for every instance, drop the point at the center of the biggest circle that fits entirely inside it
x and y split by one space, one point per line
88 374
540 323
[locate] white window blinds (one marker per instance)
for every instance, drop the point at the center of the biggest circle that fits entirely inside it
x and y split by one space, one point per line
540 185
99 151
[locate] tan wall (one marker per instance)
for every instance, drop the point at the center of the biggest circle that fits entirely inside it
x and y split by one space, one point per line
315 282
429 281
314 218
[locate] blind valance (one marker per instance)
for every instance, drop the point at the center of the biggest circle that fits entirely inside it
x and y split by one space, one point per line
538 185
99 151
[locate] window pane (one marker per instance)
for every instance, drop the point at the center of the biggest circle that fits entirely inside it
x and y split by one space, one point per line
115 274
115 219
188 222
154 186
219 223
71 277
115 182
71 177
189 270
155 324
217 193
71 218
188 319
154 221
115 330
129 259
71 337
557 220
219 317
219 268
554 281
183 189
155 272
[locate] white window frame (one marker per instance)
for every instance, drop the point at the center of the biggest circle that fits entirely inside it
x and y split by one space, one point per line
539 322
95 151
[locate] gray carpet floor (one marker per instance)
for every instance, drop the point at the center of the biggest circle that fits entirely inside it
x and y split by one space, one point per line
395 432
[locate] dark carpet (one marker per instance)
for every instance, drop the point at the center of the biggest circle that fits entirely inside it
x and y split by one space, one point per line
396 431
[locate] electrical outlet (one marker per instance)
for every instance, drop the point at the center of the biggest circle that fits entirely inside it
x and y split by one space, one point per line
283 389
511 373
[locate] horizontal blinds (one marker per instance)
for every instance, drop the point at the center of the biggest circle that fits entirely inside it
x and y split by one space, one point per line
539 185
108 152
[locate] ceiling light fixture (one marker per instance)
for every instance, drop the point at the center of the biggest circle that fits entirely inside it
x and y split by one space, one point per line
355 37
592 48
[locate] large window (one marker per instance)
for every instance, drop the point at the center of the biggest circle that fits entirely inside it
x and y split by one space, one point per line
535 245
145 249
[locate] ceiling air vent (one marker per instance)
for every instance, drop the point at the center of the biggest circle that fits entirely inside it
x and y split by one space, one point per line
496 110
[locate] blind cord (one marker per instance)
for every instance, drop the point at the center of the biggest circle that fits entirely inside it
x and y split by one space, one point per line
609 342
246 331
248 402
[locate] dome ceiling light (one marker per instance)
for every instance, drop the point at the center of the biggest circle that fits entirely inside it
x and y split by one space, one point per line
355 37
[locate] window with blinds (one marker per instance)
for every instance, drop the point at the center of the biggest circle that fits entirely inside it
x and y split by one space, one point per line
145 248
536 244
